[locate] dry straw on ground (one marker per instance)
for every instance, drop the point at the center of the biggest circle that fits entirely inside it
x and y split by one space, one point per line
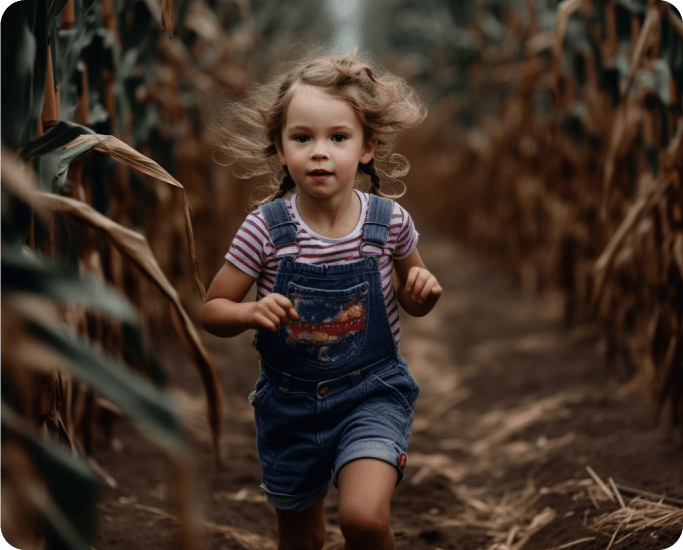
515 520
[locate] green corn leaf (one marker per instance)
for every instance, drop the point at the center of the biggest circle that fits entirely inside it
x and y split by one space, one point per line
642 79
63 133
145 404
59 532
72 42
24 272
53 8
634 6
577 35
662 83
493 28
46 167
24 62
15 220
70 517
67 156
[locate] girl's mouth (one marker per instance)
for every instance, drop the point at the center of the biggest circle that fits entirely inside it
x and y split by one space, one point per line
319 175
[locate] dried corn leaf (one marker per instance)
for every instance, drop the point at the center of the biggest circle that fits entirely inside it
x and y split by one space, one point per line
647 36
118 150
135 247
168 16
565 10
18 179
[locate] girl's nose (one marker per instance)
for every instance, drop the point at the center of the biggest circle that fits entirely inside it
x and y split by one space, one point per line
319 152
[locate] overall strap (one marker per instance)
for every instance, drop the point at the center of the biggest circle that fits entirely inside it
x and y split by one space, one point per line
376 229
280 225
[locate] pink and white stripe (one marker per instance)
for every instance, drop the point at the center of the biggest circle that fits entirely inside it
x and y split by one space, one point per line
252 250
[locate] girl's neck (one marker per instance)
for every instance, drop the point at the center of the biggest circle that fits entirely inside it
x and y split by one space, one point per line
333 218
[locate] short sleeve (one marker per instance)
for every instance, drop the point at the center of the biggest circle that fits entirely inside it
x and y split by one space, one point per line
250 246
406 234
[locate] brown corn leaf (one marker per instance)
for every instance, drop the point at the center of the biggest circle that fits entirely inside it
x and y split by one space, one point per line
167 16
136 248
202 20
672 160
645 39
640 208
632 217
627 120
678 252
118 150
565 9
18 179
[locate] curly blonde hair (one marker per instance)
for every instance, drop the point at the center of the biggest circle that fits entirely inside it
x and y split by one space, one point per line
384 103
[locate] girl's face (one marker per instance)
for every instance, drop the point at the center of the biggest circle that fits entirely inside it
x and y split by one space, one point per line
322 143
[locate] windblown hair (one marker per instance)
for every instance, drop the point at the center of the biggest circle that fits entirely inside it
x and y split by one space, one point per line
384 103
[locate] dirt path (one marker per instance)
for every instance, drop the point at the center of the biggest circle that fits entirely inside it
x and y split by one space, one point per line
512 412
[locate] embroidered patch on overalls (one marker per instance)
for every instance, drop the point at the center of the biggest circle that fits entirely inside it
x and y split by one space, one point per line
328 324
349 320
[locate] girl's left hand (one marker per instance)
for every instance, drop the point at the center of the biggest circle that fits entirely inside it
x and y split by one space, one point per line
421 284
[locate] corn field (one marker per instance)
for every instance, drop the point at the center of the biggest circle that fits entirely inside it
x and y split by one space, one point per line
555 147
565 166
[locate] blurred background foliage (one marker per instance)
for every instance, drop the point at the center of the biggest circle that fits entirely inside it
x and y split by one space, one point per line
555 147
561 159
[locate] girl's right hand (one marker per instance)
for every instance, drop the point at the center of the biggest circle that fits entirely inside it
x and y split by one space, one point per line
272 311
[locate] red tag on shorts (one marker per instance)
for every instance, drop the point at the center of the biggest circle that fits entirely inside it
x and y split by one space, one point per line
402 460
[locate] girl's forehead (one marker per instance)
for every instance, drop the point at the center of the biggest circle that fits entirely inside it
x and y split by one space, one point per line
307 100
310 93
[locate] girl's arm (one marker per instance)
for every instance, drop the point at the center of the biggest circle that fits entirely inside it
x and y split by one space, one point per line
416 288
225 315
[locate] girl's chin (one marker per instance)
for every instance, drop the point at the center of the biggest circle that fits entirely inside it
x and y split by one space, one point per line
323 189
319 193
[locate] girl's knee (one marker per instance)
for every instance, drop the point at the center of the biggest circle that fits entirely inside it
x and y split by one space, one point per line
303 530
360 523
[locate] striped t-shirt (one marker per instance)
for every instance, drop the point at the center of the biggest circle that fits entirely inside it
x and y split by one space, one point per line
252 250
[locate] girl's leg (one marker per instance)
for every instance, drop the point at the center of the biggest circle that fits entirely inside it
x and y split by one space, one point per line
303 530
365 489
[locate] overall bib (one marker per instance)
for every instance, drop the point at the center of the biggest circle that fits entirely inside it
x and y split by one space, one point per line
333 387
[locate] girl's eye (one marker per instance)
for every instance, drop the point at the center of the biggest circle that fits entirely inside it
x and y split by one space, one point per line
301 139
338 138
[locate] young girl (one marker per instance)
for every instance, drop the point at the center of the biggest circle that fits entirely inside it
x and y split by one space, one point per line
334 400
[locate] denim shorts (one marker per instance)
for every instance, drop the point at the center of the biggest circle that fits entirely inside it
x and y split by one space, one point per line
307 431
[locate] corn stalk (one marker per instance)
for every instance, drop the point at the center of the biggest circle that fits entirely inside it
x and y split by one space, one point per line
573 180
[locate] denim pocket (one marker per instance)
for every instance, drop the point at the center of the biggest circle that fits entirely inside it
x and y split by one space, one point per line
332 324
396 382
261 387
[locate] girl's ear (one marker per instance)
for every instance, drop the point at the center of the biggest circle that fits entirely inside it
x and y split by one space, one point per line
280 151
368 151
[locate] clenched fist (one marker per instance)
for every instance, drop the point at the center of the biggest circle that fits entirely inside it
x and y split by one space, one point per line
271 312
421 284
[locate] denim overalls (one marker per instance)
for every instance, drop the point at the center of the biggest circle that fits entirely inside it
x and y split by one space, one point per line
333 387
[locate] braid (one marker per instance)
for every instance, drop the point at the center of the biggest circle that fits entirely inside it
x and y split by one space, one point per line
286 185
369 169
